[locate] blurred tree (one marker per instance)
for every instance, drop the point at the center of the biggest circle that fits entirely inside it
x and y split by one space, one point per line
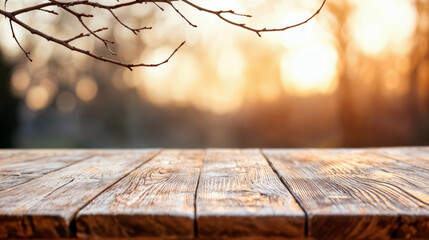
418 93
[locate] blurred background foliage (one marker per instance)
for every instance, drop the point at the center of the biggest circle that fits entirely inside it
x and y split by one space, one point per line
357 75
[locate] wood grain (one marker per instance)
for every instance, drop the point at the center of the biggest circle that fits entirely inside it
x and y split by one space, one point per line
21 167
10 156
355 194
411 169
45 207
240 196
414 156
7 153
155 200
375 193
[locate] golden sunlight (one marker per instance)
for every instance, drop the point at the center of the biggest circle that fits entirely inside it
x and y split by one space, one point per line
307 56
384 24
311 69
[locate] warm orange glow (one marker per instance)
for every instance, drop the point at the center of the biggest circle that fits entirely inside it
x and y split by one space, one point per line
20 82
86 89
269 91
385 24
310 70
157 81
394 83
227 93
37 98
309 62
182 82
423 83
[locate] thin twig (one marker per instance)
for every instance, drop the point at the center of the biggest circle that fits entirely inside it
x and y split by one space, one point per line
242 25
68 7
27 54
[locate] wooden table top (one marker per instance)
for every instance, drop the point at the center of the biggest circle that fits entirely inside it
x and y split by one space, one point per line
375 193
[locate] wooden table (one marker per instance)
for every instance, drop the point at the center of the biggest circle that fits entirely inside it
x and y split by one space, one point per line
376 193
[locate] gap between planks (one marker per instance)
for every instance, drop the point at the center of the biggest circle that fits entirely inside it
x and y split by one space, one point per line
83 214
324 168
18 216
157 199
195 198
290 190
240 195
13 180
73 223
198 186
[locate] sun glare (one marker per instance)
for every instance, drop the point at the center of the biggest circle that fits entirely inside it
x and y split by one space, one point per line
307 56
383 24
309 70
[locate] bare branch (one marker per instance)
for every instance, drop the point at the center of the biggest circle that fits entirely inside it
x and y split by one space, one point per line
48 11
27 54
156 4
81 35
242 25
66 43
68 7
133 30
177 10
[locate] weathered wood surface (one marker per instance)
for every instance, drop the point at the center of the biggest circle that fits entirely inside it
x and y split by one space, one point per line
240 195
356 194
415 157
18 169
411 167
10 156
157 199
376 193
45 206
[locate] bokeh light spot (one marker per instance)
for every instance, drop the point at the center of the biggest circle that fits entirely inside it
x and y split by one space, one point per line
86 89
37 98
20 82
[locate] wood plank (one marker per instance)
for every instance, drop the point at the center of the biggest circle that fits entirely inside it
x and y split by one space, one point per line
13 155
240 196
23 168
417 156
410 166
6 153
155 200
354 194
45 207
10 156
